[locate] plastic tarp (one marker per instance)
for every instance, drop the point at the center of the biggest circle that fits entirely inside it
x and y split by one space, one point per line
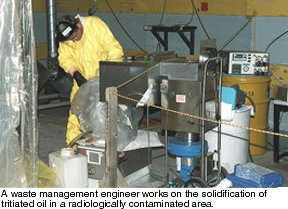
91 114
18 96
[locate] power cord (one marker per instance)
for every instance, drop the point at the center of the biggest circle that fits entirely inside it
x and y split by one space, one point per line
191 18
276 77
192 15
282 34
161 19
200 20
174 26
232 37
125 29
254 41
251 100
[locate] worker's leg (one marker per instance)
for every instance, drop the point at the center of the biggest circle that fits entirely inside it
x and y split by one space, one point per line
73 127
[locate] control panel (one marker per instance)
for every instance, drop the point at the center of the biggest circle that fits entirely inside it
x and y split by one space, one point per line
245 62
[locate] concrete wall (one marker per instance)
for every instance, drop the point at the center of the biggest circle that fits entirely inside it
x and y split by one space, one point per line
219 27
267 29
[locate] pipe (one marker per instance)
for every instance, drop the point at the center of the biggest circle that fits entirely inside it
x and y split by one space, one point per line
93 9
51 27
53 105
158 177
203 169
219 114
166 156
52 59
50 96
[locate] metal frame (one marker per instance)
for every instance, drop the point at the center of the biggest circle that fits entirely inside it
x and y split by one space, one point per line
154 29
277 110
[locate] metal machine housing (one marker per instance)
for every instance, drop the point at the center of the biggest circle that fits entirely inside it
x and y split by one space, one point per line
96 162
117 73
185 96
245 62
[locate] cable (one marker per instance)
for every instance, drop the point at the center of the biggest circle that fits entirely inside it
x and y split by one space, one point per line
254 41
200 19
232 37
270 144
163 12
161 19
70 144
282 34
175 26
249 152
191 18
276 77
125 29
276 39
160 178
251 100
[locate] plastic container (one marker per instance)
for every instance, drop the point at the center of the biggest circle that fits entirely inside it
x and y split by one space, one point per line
71 169
234 140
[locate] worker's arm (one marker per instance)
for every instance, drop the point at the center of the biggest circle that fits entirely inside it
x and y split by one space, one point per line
65 58
68 63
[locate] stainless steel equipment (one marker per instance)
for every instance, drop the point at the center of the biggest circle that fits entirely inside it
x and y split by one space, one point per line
182 86
117 73
95 160
245 62
184 96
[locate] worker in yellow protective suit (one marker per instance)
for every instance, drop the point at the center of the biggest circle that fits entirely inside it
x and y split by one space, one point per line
83 42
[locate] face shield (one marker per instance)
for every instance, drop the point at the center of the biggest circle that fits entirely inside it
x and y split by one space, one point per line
65 30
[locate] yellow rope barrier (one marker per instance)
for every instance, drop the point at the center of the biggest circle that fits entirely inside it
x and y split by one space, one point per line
186 114
201 118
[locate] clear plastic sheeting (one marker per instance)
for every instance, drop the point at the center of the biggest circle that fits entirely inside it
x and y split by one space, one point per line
91 114
18 96
141 141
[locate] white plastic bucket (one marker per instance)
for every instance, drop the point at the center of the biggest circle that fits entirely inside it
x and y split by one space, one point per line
71 169
234 140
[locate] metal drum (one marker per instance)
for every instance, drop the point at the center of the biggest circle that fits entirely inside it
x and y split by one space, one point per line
257 87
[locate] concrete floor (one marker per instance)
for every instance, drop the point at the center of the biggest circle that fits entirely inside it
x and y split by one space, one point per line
52 130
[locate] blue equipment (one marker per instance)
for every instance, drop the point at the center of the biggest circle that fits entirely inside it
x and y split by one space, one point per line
250 175
186 151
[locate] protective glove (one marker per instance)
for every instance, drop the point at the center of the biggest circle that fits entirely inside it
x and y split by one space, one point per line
77 76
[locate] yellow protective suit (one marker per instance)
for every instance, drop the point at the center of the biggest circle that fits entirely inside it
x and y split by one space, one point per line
97 44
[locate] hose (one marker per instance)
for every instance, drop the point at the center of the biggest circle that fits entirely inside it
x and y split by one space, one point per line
149 150
161 19
200 20
282 34
277 78
70 144
251 100
230 39
125 29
